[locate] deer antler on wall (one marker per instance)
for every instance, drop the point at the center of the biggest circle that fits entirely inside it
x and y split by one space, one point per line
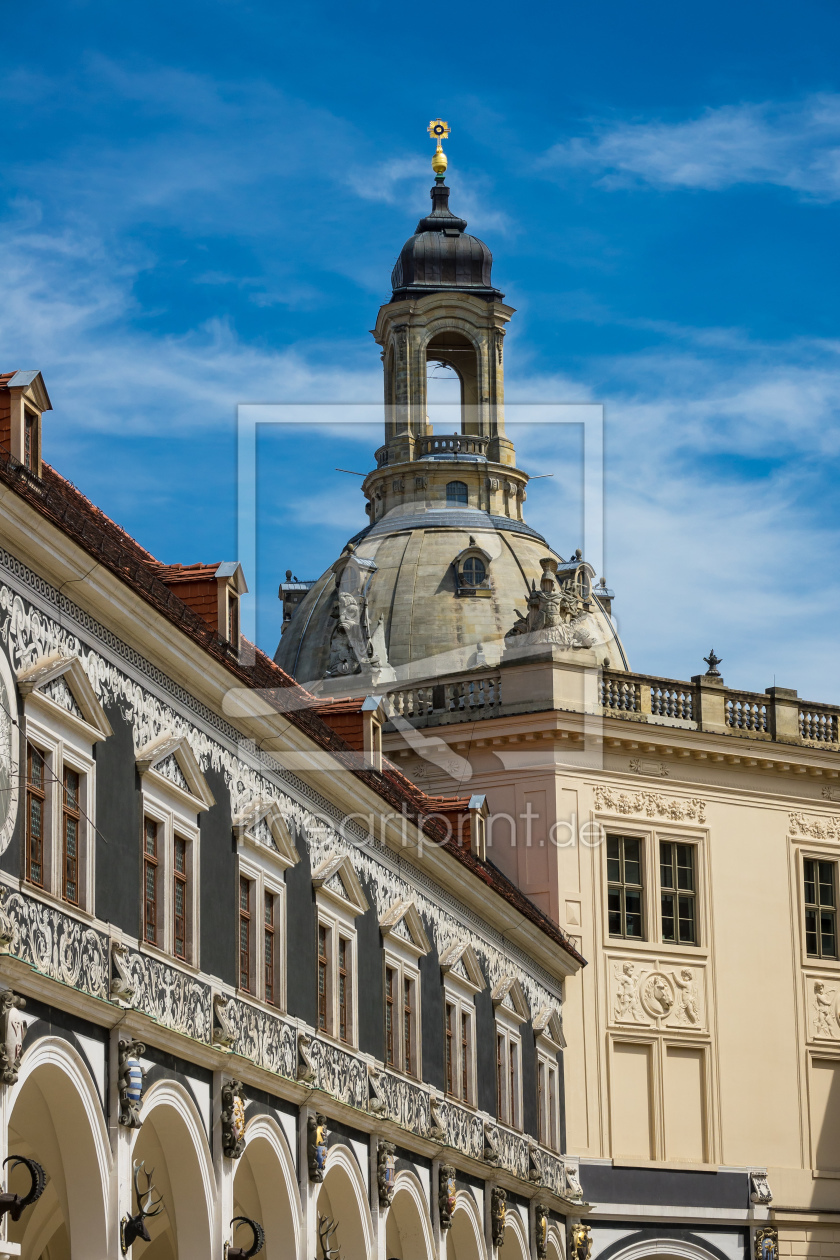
326 1229
134 1227
14 1204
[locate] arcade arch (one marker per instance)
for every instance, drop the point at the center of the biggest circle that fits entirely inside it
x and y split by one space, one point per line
343 1200
408 1230
265 1189
466 1235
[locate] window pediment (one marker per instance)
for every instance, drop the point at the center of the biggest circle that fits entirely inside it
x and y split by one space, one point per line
402 923
459 962
262 825
62 681
337 880
549 1025
509 997
171 760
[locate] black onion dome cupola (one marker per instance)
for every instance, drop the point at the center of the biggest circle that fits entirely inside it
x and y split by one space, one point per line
440 256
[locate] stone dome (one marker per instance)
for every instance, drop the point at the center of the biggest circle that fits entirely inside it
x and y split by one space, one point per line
441 256
408 580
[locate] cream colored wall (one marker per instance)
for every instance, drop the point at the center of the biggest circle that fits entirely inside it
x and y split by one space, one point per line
737 1085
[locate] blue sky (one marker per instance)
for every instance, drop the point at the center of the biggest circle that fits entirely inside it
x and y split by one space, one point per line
201 205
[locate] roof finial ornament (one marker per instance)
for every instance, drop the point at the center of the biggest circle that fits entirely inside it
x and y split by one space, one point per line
439 131
712 661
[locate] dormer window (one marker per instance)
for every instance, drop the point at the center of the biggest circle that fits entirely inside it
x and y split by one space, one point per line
471 571
23 400
457 494
474 571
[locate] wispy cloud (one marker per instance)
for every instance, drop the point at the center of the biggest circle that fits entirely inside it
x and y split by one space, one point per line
795 146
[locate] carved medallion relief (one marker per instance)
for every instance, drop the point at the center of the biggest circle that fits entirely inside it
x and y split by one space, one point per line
658 993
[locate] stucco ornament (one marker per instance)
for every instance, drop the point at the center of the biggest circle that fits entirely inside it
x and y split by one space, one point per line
572 1189
657 995
541 1230
446 1195
317 1135
386 1159
760 1191
766 1243
580 1242
130 1081
233 1118
498 1214
12 1033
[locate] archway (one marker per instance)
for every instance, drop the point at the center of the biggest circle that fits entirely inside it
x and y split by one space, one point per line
172 1142
408 1230
554 1244
265 1189
466 1236
515 1242
343 1200
666 1249
55 1117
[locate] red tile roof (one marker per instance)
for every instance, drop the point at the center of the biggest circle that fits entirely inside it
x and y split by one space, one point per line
69 510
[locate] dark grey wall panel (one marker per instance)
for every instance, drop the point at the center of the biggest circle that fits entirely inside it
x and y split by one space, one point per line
118 822
605 1184
302 943
218 891
485 1051
529 1081
371 994
431 1004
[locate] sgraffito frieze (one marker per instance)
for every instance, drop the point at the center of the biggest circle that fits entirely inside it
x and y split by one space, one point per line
57 945
171 997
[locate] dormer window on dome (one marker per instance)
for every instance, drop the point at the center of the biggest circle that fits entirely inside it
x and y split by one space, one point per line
472 567
457 494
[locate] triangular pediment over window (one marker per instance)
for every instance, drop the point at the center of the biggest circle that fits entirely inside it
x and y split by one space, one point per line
548 1024
460 961
62 681
262 824
170 758
403 923
336 878
508 995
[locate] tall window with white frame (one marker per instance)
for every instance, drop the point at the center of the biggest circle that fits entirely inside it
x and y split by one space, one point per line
625 887
405 942
269 948
245 930
677 888
36 809
820 894
152 925
508 1077
344 988
71 821
324 978
180 906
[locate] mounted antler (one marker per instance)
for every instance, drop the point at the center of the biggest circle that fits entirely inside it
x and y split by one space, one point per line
134 1227
326 1229
14 1204
239 1253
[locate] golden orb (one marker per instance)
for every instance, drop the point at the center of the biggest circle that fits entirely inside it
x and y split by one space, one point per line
439 162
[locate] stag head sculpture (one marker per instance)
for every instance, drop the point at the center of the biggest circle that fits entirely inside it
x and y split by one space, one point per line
326 1230
241 1253
134 1227
14 1204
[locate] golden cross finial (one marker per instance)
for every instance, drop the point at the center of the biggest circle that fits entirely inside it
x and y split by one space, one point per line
439 131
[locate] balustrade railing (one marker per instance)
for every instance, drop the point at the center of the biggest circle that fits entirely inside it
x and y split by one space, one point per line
472 697
818 723
746 711
452 444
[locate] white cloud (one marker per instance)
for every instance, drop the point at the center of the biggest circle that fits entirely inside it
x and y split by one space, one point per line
796 146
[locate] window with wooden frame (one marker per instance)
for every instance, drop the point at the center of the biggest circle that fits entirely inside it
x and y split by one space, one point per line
233 618
678 888
245 929
548 1099
449 1024
820 894
508 1077
459 1048
391 982
71 821
269 948
324 986
180 897
344 988
152 925
408 1025
625 887
36 811
31 441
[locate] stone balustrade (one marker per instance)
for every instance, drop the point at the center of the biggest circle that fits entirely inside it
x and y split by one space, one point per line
453 699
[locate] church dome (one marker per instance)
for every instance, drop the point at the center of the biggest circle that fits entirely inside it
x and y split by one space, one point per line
441 256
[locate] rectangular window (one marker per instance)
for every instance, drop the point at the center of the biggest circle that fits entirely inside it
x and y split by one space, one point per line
465 1056
151 926
553 1107
36 808
233 619
542 1102
677 886
624 877
269 943
71 822
450 1048
323 978
179 908
30 441
501 1109
390 982
245 934
343 988
408 1025
820 909
513 1074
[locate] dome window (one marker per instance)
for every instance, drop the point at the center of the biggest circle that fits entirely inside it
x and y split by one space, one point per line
474 571
456 494
471 567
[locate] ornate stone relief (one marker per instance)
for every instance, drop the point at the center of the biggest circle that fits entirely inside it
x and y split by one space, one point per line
386 1159
664 995
267 1040
233 1118
317 1134
498 1214
818 828
760 1191
446 1195
766 1243
823 998
650 805
130 1081
573 1190
556 613
58 946
541 1230
12 1033
171 997
121 988
224 1032
580 1241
